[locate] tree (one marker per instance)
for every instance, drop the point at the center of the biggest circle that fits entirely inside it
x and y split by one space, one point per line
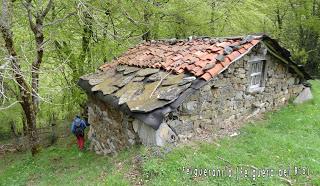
28 84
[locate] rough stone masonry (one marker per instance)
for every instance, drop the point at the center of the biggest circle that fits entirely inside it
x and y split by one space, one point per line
222 102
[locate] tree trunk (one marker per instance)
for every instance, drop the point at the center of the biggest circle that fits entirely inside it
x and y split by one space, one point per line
28 93
33 134
14 129
212 17
27 104
30 115
53 125
24 124
86 38
146 35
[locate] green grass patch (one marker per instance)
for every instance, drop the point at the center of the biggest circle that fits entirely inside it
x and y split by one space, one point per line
63 164
58 166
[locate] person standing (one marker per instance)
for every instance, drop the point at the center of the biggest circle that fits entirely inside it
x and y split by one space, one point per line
77 128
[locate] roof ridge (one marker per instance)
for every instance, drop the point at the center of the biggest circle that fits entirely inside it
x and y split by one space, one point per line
194 37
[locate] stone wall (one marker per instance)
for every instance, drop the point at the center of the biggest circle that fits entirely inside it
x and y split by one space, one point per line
223 102
110 130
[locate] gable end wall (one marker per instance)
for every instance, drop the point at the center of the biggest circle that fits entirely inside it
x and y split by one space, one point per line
226 102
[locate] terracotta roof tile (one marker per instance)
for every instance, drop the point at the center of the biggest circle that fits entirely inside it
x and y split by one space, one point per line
223 44
216 70
242 50
180 71
233 55
187 57
214 48
104 66
168 53
226 62
156 65
247 46
168 68
194 60
184 65
190 67
176 63
201 63
198 53
255 41
167 63
196 56
177 57
176 69
199 72
236 43
206 76
220 52
209 57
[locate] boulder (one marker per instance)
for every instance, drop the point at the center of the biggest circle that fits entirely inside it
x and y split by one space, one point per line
181 127
304 96
150 137
190 106
145 132
165 135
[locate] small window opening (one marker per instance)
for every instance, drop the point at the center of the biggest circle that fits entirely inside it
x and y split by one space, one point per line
256 75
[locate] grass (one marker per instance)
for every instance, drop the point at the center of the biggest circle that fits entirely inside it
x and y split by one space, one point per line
284 139
61 165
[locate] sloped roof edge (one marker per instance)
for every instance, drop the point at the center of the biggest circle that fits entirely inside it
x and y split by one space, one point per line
153 118
284 55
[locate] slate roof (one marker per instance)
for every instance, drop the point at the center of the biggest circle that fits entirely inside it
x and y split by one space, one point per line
141 89
154 78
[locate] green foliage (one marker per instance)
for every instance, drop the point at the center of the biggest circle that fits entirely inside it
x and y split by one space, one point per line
81 35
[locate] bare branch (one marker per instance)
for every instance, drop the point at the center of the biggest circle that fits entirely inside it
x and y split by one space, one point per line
130 18
11 105
27 5
164 77
57 21
47 9
5 65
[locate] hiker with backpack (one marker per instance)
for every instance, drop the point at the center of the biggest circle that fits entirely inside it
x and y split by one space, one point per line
77 128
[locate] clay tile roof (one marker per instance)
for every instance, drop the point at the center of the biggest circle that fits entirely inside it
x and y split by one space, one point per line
188 56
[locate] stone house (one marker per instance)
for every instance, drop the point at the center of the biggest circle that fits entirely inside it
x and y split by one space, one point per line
160 92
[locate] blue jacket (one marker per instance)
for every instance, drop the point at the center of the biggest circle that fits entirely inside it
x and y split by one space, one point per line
77 121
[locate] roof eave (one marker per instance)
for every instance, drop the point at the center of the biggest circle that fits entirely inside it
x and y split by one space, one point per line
284 55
